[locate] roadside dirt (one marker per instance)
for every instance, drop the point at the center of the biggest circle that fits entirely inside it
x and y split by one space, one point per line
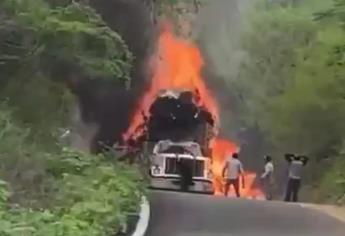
334 211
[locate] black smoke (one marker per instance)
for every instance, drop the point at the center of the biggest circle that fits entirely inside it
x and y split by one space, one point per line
109 104
177 119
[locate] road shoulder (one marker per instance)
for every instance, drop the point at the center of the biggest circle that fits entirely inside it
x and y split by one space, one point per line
334 211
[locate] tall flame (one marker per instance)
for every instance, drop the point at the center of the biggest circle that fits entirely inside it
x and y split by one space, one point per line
178 65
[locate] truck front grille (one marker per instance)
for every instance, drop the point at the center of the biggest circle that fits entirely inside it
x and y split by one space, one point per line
171 167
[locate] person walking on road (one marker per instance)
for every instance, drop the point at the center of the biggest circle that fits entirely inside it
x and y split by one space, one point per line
296 164
267 177
233 170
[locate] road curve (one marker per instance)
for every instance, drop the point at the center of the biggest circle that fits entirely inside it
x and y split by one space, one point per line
183 214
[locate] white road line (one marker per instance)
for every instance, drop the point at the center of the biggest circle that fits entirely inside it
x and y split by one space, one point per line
144 219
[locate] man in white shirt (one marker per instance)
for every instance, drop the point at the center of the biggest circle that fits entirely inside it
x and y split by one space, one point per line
233 170
296 166
268 178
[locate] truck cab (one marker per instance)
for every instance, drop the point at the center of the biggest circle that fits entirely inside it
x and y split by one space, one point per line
175 139
168 161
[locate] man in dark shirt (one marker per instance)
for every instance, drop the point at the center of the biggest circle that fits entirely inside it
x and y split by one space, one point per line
296 164
186 173
185 167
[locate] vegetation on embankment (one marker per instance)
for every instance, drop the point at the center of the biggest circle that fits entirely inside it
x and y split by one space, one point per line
46 47
290 85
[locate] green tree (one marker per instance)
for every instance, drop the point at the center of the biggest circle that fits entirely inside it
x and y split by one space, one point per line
287 80
45 37
285 69
291 84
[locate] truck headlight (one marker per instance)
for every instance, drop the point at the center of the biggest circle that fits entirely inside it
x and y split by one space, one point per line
156 170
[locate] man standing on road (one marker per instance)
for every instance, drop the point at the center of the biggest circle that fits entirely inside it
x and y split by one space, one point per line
267 178
296 164
185 170
234 170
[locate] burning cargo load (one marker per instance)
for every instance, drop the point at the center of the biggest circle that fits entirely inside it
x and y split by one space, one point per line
175 116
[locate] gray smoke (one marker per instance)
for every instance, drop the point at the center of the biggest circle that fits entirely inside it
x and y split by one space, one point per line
219 29
82 133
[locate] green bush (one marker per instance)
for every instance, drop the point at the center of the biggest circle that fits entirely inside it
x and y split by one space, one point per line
332 186
93 197
64 192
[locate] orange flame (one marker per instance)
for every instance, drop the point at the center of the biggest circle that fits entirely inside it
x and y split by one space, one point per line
222 149
177 65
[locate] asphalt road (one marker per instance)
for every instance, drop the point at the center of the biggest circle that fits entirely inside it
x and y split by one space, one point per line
183 214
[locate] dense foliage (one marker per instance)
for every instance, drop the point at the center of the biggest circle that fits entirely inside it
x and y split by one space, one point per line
294 56
91 197
293 81
35 33
60 191
283 62
45 187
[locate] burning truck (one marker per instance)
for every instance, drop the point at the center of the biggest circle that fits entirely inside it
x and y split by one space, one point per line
176 139
176 123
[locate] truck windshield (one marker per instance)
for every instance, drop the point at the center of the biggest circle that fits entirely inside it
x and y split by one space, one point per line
175 150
